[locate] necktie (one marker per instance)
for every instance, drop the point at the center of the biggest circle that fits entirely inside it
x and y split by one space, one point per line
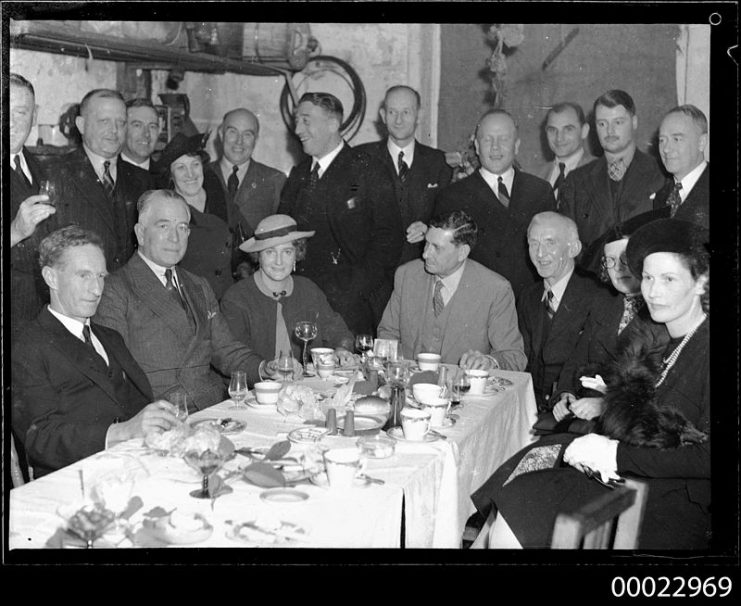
616 169
674 199
503 193
232 185
631 305
177 295
549 309
403 168
313 176
89 343
107 180
561 176
437 298
19 170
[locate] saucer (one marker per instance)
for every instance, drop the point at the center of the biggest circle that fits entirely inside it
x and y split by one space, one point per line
283 495
321 479
398 434
224 425
307 435
447 422
255 405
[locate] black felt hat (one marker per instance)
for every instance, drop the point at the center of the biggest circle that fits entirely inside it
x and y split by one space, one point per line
181 145
666 235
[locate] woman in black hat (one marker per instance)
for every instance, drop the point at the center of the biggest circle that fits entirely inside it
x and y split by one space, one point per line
262 309
211 242
655 426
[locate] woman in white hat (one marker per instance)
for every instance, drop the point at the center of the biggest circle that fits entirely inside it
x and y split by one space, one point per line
263 309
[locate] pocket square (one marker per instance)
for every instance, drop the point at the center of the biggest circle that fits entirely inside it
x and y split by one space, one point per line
431 185
351 203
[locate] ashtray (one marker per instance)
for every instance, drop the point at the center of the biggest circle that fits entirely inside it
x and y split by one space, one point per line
376 446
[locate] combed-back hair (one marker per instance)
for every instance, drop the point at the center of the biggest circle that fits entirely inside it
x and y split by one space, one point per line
464 228
329 103
53 246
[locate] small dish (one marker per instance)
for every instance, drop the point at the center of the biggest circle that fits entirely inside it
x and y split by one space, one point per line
321 479
363 422
255 405
447 422
283 495
179 528
307 435
224 425
255 532
398 434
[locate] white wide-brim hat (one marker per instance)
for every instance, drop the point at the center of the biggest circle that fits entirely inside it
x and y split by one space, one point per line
274 230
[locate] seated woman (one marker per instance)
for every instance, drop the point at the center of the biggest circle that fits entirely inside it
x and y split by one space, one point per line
263 309
619 319
210 243
655 425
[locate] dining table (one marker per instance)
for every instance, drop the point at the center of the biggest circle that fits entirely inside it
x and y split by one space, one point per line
419 497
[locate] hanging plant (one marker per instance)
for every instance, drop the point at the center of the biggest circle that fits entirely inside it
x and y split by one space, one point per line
503 38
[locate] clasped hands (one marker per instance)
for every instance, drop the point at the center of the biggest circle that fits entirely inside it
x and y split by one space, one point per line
475 360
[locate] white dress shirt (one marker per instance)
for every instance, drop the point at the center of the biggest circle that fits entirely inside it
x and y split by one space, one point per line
75 327
570 163
326 160
227 168
159 271
450 283
492 180
408 153
557 289
143 165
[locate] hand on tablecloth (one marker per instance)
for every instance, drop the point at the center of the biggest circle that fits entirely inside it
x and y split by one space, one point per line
475 360
158 416
588 408
594 452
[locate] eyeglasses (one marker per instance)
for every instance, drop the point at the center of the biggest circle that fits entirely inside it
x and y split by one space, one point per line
610 262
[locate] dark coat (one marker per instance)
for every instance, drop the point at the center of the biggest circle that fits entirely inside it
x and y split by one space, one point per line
416 196
585 197
27 290
83 201
63 402
548 351
502 237
696 207
364 224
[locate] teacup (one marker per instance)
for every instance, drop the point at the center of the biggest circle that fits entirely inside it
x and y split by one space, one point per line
325 370
438 408
425 391
343 465
322 355
428 361
266 392
477 378
415 423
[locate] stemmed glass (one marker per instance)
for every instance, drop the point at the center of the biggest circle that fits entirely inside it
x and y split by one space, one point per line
306 331
238 389
363 344
207 463
285 366
397 376
460 388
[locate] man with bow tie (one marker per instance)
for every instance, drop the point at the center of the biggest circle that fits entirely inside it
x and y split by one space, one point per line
29 210
617 186
342 194
417 172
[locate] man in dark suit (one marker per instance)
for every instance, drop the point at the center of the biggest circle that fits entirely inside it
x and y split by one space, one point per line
142 132
615 187
168 317
416 171
97 191
501 199
552 313
76 388
683 137
343 195
30 211
566 129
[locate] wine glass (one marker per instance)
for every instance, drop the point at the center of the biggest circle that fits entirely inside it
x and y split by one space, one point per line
89 522
48 188
363 343
397 373
207 463
306 331
238 389
285 366
460 388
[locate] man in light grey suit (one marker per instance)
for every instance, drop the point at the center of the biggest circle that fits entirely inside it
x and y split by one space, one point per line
449 304
566 129
169 317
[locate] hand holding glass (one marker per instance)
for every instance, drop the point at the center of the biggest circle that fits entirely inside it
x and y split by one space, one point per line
48 188
179 400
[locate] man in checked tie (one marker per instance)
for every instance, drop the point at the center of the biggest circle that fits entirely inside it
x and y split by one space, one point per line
449 304
76 387
617 186
552 312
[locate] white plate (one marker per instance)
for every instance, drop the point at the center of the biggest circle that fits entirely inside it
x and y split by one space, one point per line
321 479
262 407
398 434
363 422
307 435
283 495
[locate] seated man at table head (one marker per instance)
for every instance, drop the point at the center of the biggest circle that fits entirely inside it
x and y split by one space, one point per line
449 304
76 388
142 131
169 317
553 312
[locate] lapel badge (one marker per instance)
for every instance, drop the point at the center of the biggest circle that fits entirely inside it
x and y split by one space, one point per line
351 203
431 185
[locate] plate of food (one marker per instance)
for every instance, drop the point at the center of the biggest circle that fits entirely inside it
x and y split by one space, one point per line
223 424
178 527
265 532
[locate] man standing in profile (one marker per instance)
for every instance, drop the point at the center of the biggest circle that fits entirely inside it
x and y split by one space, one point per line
97 191
566 129
343 195
501 199
416 171
142 133
615 187
29 210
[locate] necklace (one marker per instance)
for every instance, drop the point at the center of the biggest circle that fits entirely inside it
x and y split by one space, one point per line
669 362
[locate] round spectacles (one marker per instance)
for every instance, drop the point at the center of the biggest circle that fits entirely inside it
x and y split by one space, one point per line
610 262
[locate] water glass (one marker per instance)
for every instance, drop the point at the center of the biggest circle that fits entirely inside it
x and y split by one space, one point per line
48 188
238 389
284 366
179 400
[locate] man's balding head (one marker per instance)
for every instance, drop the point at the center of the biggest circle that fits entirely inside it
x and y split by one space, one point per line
239 131
553 245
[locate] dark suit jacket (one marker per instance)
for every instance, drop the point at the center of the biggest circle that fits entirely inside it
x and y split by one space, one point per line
83 201
365 225
547 353
502 238
416 196
63 403
157 332
696 207
585 197
27 290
